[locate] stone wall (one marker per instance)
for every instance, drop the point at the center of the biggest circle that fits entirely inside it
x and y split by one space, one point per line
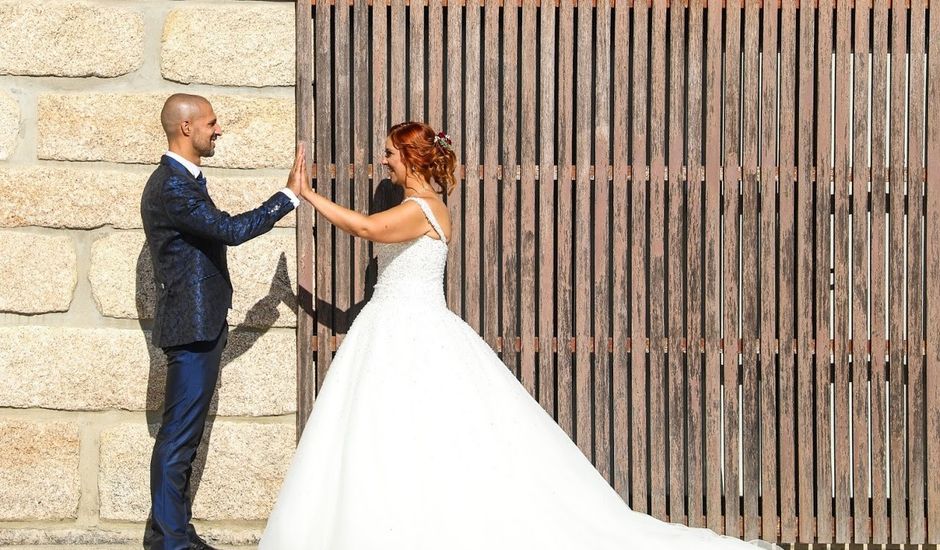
81 86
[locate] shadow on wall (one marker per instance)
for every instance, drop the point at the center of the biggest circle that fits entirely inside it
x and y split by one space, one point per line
258 320
387 195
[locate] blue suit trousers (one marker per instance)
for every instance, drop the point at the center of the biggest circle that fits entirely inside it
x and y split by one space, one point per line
192 374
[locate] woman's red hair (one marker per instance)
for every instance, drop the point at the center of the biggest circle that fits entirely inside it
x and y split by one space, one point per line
425 154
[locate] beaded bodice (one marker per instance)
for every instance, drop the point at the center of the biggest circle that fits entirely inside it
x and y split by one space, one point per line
413 270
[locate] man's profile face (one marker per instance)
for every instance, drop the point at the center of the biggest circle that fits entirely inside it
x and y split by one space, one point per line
205 130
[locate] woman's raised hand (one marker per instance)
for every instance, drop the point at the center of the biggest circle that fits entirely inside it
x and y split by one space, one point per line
297 179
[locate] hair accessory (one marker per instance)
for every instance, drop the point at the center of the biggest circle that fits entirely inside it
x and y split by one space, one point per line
444 141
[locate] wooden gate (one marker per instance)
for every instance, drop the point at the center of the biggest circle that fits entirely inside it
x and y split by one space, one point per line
704 235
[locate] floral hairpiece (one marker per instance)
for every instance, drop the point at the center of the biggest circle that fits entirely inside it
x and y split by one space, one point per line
444 141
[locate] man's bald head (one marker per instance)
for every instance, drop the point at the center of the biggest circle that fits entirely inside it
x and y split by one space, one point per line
190 125
179 108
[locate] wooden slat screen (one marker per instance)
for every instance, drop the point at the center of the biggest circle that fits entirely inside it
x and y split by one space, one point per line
704 235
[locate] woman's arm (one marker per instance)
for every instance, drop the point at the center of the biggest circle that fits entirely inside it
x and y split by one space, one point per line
402 223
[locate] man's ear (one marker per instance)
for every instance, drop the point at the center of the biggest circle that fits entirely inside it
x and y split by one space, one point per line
186 128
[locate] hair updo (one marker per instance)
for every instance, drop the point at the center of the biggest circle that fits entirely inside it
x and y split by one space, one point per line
425 152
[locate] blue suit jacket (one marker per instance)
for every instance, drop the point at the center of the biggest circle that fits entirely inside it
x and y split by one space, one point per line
187 236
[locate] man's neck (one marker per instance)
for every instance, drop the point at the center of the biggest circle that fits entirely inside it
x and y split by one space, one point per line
187 153
193 169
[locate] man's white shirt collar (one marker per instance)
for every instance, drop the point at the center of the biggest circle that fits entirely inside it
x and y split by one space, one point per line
193 169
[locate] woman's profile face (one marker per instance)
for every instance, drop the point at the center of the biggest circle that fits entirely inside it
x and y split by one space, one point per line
392 160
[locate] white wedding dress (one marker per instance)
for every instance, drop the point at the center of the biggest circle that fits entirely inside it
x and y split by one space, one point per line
422 439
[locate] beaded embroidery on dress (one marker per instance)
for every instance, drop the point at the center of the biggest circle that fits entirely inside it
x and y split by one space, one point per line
422 439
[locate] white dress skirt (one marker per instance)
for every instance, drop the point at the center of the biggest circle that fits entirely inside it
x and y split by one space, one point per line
422 439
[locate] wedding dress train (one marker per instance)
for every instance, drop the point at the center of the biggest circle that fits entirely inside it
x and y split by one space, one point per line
422 439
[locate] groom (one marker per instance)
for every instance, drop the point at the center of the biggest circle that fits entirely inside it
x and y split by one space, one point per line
187 236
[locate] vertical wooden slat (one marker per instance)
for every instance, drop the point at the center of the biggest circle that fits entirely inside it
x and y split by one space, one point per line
602 291
527 239
823 440
730 273
362 144
712 268
897 449
380 82
657 283
694 269
822 270
455 127
563 220
841 175
324 267
380 112
932 254
620 66
674 285
435 94
916 436
342 242
416 44
546 211
489 288
750 446
768 274
860 253
306 325
841 178
583 327
471 216
804 277
879 507
785 283
397 56
638 356
509 191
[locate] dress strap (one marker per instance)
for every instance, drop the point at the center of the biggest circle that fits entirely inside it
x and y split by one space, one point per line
426 208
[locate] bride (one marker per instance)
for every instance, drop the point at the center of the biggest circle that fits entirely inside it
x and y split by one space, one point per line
420 438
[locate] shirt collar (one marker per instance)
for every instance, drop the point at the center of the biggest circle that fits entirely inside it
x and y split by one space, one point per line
192 168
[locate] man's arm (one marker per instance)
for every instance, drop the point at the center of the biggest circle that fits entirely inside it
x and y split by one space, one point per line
188 209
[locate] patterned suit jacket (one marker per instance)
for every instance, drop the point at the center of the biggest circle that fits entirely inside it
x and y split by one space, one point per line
187 236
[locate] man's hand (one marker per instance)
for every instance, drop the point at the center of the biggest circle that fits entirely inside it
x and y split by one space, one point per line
297 179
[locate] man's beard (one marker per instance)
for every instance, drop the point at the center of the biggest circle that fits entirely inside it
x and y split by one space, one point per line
207 151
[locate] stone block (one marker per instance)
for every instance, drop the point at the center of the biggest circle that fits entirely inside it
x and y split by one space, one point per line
262 272
236 194
77 369
32 196
9 124
102 197
236 476
39 272
105 369
257 132
121 279
121 276
39 470
239 45
69 39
